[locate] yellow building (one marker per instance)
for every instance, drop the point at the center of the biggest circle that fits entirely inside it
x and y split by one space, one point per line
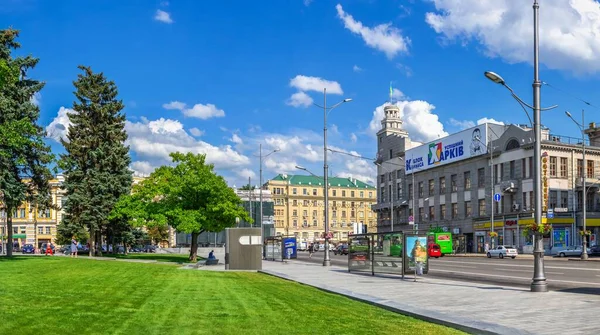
37 227
299 206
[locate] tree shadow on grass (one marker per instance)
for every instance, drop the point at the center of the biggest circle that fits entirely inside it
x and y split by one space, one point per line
4 258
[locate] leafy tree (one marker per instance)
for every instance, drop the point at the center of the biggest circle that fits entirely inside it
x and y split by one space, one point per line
24 157
247 187
189 196
96 162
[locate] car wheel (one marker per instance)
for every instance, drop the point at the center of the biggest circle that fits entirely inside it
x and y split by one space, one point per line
501 256
436 257
562 254
489 255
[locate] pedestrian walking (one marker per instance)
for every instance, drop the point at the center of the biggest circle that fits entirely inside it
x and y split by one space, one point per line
311 250
73 247
486 247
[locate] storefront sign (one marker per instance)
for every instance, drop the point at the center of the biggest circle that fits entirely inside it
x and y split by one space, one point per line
510 222
544 181
561 209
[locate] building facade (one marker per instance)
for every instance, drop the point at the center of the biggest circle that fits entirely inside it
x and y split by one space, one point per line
452 182
299 206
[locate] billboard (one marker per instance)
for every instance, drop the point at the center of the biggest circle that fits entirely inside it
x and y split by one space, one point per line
465 144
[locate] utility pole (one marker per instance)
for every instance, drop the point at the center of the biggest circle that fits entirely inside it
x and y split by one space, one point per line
250 201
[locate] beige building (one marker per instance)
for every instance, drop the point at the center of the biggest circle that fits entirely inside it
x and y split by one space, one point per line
299 206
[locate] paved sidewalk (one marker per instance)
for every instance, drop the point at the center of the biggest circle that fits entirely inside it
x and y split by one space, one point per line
479 308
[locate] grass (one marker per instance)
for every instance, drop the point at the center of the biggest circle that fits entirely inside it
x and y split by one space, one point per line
61 295
177 258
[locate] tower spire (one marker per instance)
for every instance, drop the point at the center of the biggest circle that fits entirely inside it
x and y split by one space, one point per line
391 93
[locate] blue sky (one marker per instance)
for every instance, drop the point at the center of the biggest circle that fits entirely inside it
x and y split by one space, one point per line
221 77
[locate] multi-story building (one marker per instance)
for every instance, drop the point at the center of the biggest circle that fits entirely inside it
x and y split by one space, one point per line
452 182
299 206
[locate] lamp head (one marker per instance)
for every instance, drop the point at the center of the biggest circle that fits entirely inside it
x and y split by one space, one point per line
494 77
347 99
300 167
568 114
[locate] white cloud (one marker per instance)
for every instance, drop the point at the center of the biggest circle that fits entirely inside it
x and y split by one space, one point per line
59 127
334 128
418 117
383 37
397 94
353 138
199 111
36 99
196 132
174 105
461 124
247 173
489 120
300 99
307 2
163 16
356 68
236 139
307 83
405 69
142 167
569 30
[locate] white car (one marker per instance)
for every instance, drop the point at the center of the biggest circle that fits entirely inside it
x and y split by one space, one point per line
503 251
570 251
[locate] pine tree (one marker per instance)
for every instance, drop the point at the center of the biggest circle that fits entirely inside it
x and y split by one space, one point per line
24 157
96 162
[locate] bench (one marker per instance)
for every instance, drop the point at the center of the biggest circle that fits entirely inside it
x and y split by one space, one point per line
211 262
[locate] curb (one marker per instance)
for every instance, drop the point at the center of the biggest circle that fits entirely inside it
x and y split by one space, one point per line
464 324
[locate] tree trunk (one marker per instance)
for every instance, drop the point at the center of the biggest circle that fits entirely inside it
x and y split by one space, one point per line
9 240
99 242
194 248
92 241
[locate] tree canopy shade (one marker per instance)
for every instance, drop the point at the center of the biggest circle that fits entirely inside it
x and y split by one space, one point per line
24 157
96 162
189 196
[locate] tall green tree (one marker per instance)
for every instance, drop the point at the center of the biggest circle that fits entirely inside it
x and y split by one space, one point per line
96 162
189 196
24 157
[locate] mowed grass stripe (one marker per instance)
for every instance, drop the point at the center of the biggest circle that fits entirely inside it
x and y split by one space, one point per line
81 296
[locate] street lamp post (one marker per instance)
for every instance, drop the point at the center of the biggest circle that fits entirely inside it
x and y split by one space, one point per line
260 193
538 283
584 254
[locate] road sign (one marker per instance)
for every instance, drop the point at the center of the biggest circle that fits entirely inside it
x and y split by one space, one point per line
411 220
497 197
550 214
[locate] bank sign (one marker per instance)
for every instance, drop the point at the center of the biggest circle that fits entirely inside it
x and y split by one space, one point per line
452 148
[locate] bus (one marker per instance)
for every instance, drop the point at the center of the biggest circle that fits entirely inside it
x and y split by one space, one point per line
443 239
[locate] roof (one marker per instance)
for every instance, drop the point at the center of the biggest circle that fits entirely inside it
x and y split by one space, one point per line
318 181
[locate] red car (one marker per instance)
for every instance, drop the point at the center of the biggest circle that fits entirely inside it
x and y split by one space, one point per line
434 250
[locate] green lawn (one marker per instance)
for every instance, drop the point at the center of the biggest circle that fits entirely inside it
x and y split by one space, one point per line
177 258
61 295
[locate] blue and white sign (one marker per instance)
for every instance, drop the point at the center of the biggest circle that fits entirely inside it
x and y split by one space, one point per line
452 148
497 197
289 247
550 214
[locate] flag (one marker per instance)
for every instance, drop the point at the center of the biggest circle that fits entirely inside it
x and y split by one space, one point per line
391 91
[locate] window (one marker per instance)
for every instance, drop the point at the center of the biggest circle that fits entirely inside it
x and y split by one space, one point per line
410 191
523 169
40 230
579 168
314 213
512 169
530 169
352 214
382 191
343 193
481 178
564 199
431 187
420 189
553 199
294 191
343 214
443 212
431 213
481 207
454 210
305 213
468 180
590 168
352 194
48 231
362 194
314 223
390 176
294 202
421 212
442 185
314 191
382 178
398 190
370 194
295 223
531 200
501 173
398 174
453 183
305 203
334 214
524 200
304 191
391 154
295 212
552 166
467 209
563 167
334 193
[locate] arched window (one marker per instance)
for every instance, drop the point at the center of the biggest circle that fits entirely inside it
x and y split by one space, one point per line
512 144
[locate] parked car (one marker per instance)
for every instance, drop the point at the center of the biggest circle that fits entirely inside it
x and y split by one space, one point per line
568 251
150 248
341 249
28 249
434 250
594 251
503 251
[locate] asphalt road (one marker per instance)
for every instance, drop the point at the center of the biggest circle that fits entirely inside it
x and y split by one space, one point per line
561 273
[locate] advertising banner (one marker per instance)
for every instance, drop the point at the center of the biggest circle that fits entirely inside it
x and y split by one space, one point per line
462 145
289 248
415 254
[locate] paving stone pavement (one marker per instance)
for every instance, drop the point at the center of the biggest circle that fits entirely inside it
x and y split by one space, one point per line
480 308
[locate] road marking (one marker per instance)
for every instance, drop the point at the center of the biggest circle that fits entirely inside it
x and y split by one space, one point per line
457 266
513 277
521 266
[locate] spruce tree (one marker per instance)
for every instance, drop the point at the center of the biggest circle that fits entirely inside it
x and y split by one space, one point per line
24 157
96 162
